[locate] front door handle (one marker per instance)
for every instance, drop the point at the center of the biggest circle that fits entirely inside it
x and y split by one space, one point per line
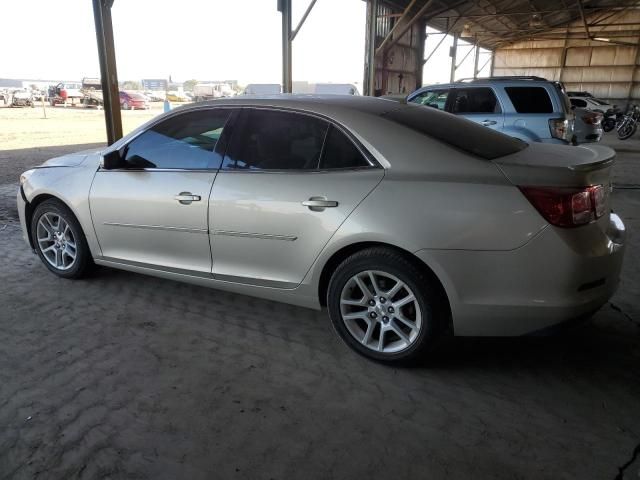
486 123
318 204
185 198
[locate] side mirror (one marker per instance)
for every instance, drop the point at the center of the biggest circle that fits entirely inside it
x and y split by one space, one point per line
112 160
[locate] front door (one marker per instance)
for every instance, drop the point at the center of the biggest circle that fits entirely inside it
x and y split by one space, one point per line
287 184
154 211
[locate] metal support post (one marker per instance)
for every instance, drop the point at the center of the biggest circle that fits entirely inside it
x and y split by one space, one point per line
284 6
476 59
108 72
493 63
370 73
452 53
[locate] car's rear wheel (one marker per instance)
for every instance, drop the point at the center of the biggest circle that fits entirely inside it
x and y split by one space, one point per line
384 307
59 240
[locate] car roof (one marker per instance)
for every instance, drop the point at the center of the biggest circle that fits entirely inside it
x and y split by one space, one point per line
487 83
317 103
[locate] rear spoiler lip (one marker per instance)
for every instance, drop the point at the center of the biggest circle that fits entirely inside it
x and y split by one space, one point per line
585 167
605 157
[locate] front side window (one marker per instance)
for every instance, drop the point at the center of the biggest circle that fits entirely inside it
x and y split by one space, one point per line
186 141
530 99
432 98
276 140
475 100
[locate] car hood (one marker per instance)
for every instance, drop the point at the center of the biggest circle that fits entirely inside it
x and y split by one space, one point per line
72 159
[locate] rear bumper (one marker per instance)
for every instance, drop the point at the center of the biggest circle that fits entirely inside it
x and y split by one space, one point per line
558 276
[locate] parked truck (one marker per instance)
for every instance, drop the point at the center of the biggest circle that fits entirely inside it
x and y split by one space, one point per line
92 92
209 91
64 93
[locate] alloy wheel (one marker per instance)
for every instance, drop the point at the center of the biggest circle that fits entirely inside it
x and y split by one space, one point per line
56 241
380 311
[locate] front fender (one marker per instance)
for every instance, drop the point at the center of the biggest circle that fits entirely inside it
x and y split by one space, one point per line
70 185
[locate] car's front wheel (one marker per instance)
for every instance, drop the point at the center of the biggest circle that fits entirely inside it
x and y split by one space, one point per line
59 240
385 307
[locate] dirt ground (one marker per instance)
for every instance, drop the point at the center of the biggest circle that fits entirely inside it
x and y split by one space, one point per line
123 376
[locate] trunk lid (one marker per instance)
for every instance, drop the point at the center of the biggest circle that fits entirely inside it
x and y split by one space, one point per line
558 166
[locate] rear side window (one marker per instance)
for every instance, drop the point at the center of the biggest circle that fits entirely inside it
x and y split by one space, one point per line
530 99
275 140
185 141
340 152
475 100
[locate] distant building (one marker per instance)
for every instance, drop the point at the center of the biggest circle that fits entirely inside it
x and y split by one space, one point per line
155 84
26 83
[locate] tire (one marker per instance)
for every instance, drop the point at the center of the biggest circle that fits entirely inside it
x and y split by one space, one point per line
627 131
375 330
125 106
48 211
608 125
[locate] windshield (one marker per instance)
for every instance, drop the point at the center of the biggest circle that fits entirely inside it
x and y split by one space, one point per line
456 131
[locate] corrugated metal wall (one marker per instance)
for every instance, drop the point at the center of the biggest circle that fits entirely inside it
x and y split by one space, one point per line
399 67
605 69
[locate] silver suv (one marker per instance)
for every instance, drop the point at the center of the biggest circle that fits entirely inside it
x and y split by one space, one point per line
532 109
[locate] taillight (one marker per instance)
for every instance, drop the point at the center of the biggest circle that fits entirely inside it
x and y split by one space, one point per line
592 118
568 207
559 128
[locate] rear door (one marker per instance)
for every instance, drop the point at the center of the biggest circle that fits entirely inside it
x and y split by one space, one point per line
288 182
478 104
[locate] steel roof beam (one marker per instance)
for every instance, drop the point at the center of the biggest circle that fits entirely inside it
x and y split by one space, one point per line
404 16
418 16
302 20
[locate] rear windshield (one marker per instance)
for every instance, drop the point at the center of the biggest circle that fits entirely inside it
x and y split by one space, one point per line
456 131
530 99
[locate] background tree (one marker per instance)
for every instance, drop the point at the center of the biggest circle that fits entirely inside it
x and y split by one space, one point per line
189 84
131 85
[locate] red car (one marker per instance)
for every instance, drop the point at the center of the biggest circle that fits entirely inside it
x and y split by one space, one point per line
133 100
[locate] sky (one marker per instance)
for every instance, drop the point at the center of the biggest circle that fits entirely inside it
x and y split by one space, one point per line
201 39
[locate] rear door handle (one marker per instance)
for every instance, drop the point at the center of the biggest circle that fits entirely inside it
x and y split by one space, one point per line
185 198
486 123
317 204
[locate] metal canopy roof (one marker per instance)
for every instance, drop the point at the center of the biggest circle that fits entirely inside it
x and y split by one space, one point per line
496 23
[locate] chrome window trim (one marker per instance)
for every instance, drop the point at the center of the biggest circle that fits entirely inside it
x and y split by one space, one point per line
151 170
